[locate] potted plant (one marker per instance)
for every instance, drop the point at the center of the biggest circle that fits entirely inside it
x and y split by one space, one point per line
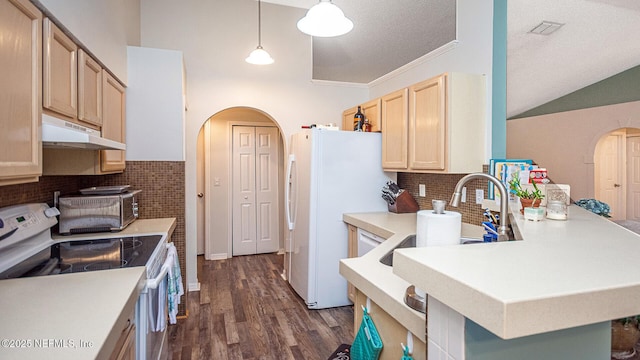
625 333
527 198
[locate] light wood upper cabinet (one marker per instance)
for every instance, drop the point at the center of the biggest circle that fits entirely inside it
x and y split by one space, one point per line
113 126
347 118
446 126
370 109
394 126
21 91
89 89
60 70
427 124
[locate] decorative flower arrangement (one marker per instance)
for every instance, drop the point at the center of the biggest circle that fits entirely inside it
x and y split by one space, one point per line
595 206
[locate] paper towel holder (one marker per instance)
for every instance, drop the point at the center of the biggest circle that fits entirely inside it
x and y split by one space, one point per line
438 206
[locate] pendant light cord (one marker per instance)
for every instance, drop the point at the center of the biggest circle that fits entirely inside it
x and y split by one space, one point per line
259 26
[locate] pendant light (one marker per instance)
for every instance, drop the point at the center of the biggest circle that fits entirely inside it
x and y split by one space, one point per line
325 19
259 56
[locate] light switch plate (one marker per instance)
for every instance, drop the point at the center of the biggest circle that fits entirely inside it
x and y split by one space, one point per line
479 196
422 190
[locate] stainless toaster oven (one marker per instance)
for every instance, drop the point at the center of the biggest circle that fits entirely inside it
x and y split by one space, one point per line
97 213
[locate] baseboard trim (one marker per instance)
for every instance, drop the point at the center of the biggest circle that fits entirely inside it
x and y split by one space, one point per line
219 256
193 287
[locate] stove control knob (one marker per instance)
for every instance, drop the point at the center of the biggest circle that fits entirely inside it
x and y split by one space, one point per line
51 212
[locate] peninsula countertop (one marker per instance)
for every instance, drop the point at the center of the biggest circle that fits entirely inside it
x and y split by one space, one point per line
563 274
377 280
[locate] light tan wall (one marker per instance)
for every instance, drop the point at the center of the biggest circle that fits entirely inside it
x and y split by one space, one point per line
565 142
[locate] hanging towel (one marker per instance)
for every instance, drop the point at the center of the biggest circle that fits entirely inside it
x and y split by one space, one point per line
174 286
157 303
161 317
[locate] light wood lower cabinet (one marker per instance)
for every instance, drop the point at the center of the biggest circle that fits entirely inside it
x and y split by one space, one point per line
21 92
125 347
352 252
391 331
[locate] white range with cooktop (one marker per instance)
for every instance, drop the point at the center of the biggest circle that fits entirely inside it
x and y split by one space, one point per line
27 249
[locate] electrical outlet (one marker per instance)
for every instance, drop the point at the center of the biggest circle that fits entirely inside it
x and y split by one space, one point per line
422 190
463 196
479 196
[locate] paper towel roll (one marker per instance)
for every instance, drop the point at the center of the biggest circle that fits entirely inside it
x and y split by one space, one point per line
438 229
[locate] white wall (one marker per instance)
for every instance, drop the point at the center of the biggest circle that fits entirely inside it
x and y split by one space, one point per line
471 54
215 37
155 105
104 27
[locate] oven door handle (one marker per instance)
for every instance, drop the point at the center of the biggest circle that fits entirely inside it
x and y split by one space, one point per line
153 283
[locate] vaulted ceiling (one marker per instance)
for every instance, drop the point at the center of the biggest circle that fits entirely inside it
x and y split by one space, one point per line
599 39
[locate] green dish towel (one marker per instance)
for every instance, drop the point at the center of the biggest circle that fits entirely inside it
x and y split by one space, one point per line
367 345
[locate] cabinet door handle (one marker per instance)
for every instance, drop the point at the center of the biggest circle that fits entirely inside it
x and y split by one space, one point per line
616 185
200 195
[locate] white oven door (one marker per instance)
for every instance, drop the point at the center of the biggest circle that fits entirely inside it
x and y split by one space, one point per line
152 317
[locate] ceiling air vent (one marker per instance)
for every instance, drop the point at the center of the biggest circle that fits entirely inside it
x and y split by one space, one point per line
546 28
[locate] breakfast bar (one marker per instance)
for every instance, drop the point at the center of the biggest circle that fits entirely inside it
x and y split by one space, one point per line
557 288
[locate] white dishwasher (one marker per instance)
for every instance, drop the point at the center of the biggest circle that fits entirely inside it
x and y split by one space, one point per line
367 241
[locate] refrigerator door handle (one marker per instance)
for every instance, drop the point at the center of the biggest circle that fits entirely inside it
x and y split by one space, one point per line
287 192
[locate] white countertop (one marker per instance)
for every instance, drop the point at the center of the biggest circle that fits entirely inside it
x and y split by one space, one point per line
377 280
140 227
563 274
55 317
65 316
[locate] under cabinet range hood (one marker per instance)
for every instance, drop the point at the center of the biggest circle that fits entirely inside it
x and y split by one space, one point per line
58 133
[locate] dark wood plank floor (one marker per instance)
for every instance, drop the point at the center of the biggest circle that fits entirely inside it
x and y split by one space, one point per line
245 310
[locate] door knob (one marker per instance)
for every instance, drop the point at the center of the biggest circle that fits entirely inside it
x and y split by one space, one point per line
200 195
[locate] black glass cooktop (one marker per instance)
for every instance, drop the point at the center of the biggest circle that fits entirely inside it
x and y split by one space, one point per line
86 255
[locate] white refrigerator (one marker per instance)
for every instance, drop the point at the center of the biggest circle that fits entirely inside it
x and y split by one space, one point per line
329 173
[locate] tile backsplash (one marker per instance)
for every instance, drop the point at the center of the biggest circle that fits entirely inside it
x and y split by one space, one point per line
161 182
440 187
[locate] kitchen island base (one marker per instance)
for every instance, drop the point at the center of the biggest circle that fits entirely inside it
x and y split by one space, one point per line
391 331
588 342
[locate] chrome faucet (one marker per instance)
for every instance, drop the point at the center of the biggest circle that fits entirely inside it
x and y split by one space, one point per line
503 228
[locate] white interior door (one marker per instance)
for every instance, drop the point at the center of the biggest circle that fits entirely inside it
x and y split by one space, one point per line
609 170
267 190
633 178
255 190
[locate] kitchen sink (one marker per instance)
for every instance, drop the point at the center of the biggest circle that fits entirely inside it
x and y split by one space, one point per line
410 241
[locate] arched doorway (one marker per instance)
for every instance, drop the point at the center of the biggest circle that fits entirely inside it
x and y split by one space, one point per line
231 156
617 173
